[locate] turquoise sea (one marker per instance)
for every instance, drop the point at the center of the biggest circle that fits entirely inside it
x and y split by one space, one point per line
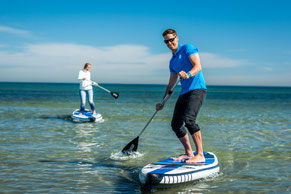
43 151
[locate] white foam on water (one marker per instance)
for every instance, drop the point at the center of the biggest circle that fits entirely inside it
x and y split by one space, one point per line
213 176
121 156
202 185
100 121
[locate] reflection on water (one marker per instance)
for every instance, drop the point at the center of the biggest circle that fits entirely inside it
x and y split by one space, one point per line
42 150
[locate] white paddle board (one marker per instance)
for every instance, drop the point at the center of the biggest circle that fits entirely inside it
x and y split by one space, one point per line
169 172
87 116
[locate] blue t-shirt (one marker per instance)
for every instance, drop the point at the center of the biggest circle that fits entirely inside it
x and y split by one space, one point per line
180 62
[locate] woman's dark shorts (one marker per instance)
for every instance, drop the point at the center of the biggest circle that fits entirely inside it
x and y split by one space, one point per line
186 111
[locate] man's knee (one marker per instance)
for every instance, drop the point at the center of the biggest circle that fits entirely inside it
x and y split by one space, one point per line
179 129
192 126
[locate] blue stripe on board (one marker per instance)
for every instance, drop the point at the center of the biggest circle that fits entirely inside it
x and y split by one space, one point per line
191 172
209 159
163 171
84 113
171 161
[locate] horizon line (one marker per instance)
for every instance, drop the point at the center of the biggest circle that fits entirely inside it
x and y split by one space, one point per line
225 85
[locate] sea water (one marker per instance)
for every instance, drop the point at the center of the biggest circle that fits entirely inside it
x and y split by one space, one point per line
42 150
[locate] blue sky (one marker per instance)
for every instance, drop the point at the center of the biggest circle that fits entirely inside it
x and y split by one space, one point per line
240 42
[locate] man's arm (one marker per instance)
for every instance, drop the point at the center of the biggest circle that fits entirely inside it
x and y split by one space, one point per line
173 79
195 60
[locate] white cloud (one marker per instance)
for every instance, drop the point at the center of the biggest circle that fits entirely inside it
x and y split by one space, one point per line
15 31
210 60
54 62
288 63
61 63
282 79
268 69
3 45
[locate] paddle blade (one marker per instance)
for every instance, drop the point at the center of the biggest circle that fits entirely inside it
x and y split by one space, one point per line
114 94
131 146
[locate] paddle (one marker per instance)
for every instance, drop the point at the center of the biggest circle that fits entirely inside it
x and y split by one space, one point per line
132 146
114 94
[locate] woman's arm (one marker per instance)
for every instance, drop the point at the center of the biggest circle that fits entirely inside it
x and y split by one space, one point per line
81 76
94 83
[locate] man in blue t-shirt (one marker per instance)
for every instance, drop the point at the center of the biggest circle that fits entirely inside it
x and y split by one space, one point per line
185 63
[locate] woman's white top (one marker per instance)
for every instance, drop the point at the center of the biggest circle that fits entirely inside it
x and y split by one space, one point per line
85 84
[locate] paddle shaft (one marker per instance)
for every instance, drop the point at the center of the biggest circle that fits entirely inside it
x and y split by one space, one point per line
162 103
113 94
103 89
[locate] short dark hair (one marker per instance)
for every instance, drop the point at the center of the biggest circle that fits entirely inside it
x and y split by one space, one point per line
169 31
86 65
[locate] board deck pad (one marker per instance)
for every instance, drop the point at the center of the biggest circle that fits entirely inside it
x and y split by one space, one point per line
209 159
87 116
86 113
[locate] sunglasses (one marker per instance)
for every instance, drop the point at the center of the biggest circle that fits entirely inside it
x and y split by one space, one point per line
170 40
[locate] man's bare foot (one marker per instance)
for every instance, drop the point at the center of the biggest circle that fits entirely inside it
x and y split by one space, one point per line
183 157
196 158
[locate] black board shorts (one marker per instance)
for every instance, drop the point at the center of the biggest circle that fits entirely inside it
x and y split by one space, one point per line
186 110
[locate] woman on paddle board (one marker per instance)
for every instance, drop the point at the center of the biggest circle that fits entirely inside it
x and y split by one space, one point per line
86 89
185 62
